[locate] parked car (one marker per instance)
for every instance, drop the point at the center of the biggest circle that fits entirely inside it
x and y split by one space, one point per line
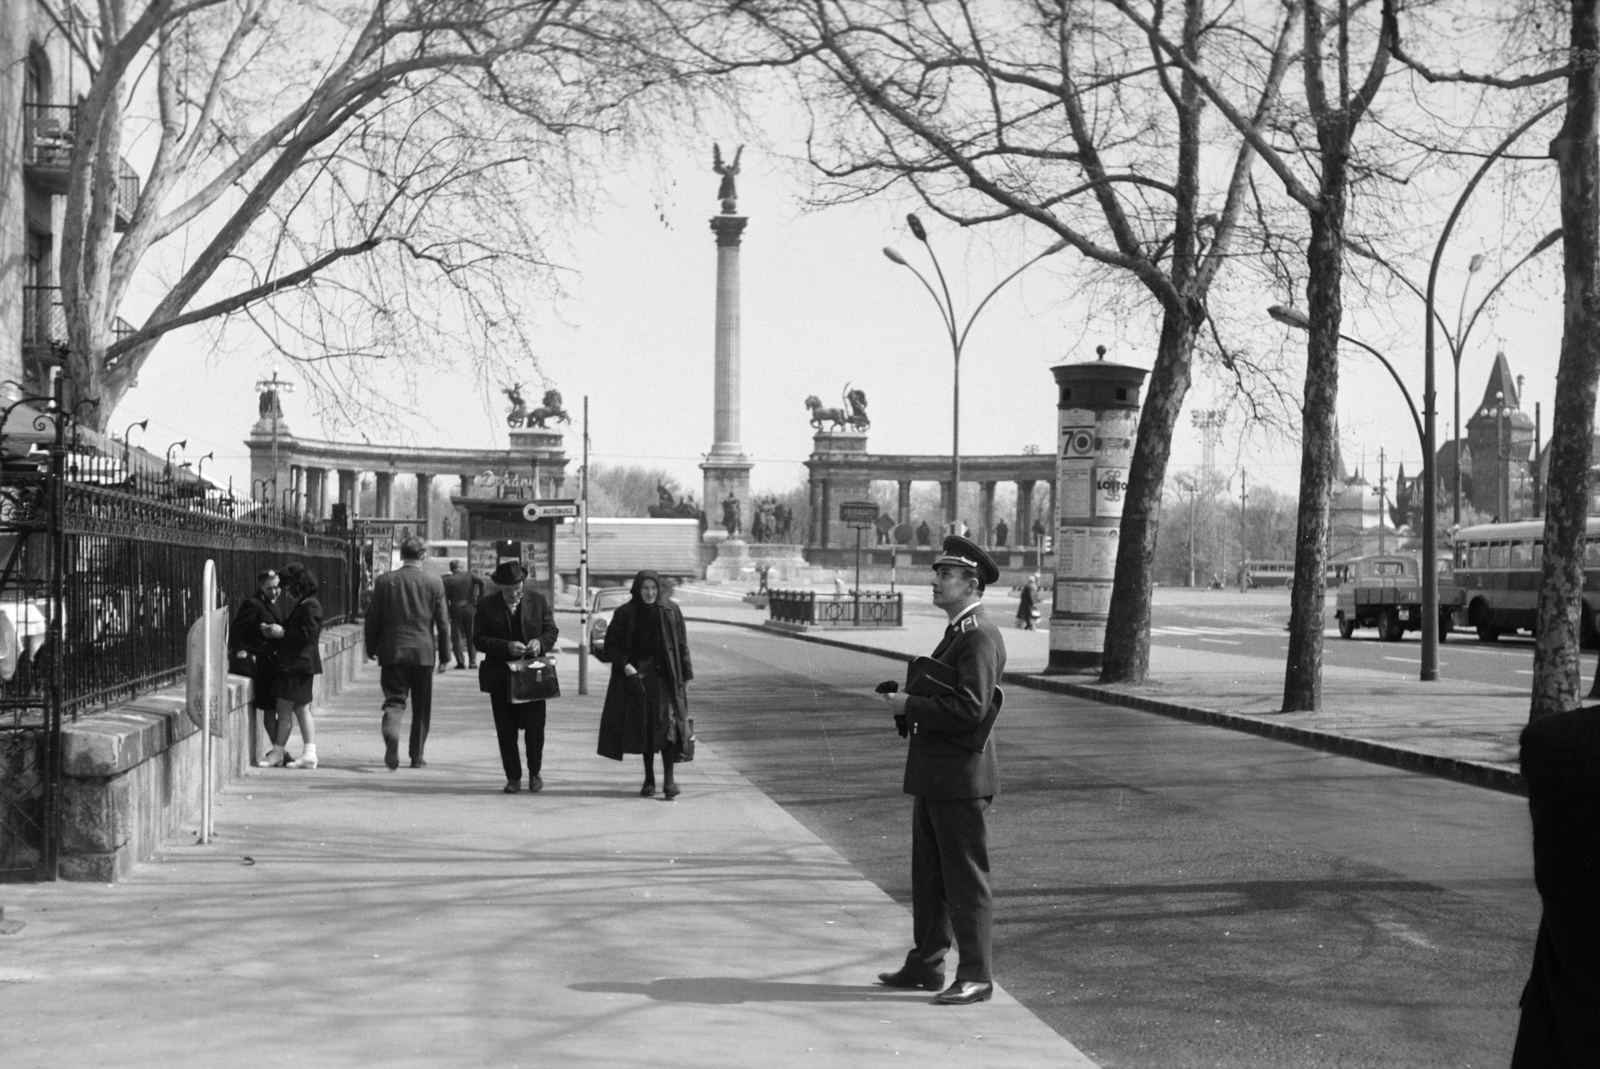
603 601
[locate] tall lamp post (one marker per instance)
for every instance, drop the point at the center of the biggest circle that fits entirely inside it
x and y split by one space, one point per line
1293 317
1458 345
1430 491
958 339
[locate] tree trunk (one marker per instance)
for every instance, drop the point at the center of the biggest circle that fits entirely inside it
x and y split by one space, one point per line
1302 678
1126 657
1556 676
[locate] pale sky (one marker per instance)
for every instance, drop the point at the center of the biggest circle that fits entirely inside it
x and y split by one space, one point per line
822 307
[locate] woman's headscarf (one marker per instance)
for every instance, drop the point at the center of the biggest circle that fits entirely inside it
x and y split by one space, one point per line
647 624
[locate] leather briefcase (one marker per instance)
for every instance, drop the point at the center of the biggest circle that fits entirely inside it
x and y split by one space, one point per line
531 680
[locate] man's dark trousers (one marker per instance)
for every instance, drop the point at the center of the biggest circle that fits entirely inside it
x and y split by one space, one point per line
950 865
461 620
397 680
509 721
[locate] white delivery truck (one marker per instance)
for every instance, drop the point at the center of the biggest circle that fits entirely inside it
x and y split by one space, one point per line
618 548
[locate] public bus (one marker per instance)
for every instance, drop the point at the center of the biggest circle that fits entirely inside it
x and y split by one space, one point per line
1265 573
1498 567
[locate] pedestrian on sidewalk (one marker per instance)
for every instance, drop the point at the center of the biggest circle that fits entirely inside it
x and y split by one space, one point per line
512 623
647 700
250 643
1028 603
298 653
952 776
405 616
463 589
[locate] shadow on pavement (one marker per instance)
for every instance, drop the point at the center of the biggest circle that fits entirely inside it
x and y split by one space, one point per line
732 990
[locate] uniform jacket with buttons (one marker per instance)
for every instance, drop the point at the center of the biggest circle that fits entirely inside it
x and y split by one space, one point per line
937 766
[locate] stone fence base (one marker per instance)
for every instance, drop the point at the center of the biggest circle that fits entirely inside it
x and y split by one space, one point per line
131 774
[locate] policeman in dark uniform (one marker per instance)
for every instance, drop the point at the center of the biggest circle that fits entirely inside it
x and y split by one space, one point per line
951 772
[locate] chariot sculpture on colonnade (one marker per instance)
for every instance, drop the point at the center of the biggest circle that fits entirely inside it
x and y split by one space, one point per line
520 416
853 413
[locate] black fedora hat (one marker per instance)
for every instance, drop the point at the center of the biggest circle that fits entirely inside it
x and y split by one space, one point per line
968 554
509 573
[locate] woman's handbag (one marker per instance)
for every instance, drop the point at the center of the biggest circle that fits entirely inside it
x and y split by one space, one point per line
531 680
243 663
685 740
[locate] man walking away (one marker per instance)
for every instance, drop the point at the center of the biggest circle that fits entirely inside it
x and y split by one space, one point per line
462 589
406 613
948 710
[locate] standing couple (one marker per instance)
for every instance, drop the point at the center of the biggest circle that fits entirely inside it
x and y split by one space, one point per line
274 639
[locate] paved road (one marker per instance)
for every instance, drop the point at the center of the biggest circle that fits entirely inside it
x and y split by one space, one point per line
1172 895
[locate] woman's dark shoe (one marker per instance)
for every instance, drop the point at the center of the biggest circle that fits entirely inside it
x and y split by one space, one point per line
511 787
648 790
670 791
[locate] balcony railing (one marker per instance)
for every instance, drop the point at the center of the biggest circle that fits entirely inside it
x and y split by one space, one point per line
47 133
44 320
47 136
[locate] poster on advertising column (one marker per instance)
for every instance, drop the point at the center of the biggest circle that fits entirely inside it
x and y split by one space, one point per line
1114 437
1087 552
1110 488
1075 492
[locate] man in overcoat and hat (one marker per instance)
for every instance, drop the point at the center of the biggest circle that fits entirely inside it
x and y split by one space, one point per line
512 623
949 711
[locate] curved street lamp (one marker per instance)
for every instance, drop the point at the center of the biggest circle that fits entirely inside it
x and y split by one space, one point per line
127 443
958 339
1294 317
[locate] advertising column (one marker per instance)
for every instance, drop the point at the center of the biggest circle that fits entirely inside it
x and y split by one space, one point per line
1097 411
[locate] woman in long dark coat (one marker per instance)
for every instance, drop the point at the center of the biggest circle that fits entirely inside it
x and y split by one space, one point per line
647 704
299 658
250 644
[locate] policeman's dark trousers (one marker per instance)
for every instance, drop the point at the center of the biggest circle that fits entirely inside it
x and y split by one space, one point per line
461 620
950 896
397 681
509 720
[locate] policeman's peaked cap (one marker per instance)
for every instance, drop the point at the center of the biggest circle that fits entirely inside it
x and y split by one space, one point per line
967 554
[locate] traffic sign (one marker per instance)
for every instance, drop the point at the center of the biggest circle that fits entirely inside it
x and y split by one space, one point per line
858 513
550 510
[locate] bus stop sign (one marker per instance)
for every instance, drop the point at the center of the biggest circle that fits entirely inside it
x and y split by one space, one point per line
858 513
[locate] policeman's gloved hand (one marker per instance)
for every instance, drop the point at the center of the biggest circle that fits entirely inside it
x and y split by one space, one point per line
888 686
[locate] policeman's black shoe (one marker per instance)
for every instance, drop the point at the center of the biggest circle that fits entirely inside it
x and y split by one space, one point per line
966 992
912 978
417 762
534 782
512 787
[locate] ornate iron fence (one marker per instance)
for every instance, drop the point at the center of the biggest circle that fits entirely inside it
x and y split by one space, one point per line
100 569
864 608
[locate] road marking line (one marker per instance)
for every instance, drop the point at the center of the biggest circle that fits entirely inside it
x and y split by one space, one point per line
1222 641
1524 671
1406 660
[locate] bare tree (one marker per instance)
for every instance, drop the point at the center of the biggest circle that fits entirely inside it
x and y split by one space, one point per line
1557 679
1322 134
359 181
1067 116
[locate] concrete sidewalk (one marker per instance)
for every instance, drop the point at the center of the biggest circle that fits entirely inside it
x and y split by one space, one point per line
351 916
1459 730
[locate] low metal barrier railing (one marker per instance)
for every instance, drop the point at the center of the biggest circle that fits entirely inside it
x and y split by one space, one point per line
861 608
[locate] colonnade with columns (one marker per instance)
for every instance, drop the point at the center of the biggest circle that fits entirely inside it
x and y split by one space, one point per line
842 470
307 492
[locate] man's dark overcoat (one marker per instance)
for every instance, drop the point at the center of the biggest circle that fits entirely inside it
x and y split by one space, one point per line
493 632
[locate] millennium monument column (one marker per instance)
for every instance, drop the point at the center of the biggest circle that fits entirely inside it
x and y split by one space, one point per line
726 468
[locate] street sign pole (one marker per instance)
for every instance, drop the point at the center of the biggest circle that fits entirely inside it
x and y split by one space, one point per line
858 562
583 563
